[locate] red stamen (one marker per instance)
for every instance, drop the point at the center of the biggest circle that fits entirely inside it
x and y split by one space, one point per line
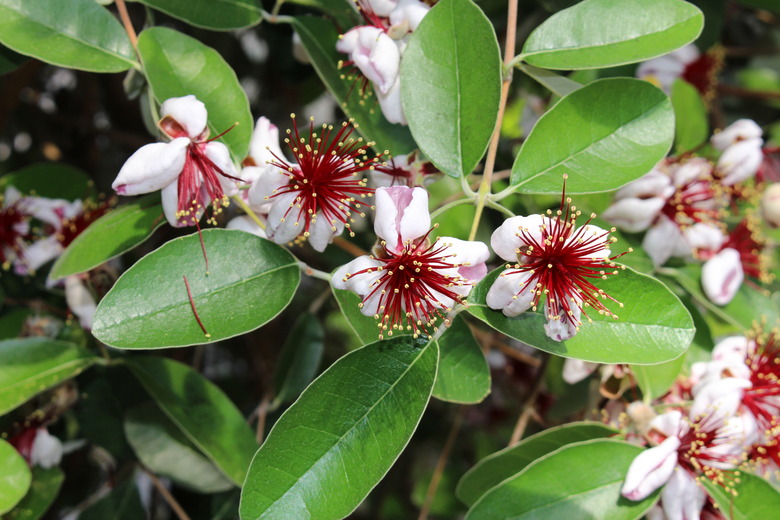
194 310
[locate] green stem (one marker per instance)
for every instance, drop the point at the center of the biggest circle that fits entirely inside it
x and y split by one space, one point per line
452 204
314 273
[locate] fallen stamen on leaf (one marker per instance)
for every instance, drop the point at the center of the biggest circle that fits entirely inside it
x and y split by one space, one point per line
192 303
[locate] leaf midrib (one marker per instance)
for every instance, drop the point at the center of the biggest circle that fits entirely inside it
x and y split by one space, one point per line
564 500
9 388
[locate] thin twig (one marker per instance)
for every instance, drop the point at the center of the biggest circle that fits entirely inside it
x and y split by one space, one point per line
262 413
125 17
441 463
349 247
530 402
249 211
172 503
314 273
731 90
489 339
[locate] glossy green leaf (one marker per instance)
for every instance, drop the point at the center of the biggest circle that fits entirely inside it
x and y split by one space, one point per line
319 38
495 468
342 11
178 65
52 180
220 15
201 410
580 480
463 375
31 365
44 489
12 323
78 34
656 380
603 135
450 85
299 359
148 307
365 327
15 477
555 83
605 33
345 431
653 326
114 233
755 498
690 115
122 503
165 450
10 60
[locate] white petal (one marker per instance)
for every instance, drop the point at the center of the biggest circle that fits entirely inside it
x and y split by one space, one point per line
40 253
668 424
378 58
634 215
471 255
691 170
662 240
505 294
505 240
246 223
656 183
561 328
363 283
740 130
390 103
321 232
220 156
170 204
720 398
382 7
731 348
265 142
401 215
407 16
682 498
650 470
575 370
687 54
80 301
152 167
269 179
704 237
188 111
46 450
664 65
52 211
588 232
280 231
722 276
740 161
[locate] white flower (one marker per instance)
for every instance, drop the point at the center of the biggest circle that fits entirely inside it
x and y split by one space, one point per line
191 171
410 281
663 70
46 449
80 301
722 276
374 53
741 130
740 161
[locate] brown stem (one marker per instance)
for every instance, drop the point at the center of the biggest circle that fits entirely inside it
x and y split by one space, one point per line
530 401
172 503
442 462
348 246
730 90
489 340
125 17
262 413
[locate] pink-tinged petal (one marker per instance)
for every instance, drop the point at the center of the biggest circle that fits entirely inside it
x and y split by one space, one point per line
560 327
720 398
401 215
39 253
269 179
362 283
390 103
663 240
651 469
656 513
691 170
666 425
348 41
374 53
740 161
687 54
245 223
265 142
46 450
505 294
52 211
575 370
705 239
654 184
80 301
188 112
471 255
722 276
682 498
632 214
321 232
407 16
740 130
589 232
152 167
731 349
506 240
220 156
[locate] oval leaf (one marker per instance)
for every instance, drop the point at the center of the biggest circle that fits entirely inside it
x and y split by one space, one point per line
44 489
78 34
221 15
109 236
164 449
463 375
31 365
495 468
201 410
299 359
690 115
605 33
346 430
656 380
51 180
603 135
451 85
149 307
754 498
653 325
177 65
581 480
15 477
319 38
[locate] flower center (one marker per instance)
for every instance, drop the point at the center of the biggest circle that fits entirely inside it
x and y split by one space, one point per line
91 211
14 230
763 397
693 202
746 239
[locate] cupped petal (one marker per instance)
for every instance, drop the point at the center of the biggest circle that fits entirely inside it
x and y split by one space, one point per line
188 111
247 224
731 349
704 239
470 255
575 370
719 398
391 106
664 240
80 301
170 204
374 53
655 183
401 215
509 295
321 231
382 7
593 235
666 425
38 254
269 180
152 167
220 156
283 222
682 498
632 214
740 130
506 240
265 142
46 449
740 161
691 170
407 16
560 327
651 469
359 276
722 276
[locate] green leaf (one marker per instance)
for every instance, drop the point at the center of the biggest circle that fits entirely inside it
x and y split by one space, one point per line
451 85
201 410
164 449
755 498
580 480
148 307
12 323
51 180
114 233
365 327
495 468
342 11
319 38
44 489
31 365
15 477
299 359
656 380
10 60
122 503
463 375
178 65
345 431
603 136
77 34
220 15
653 325
690 117
555 83
605 33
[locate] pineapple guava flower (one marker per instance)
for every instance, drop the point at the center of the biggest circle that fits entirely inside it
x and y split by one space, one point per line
192 171
411 281
551 256
14 228
316 196
404 170
687 63
38 447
